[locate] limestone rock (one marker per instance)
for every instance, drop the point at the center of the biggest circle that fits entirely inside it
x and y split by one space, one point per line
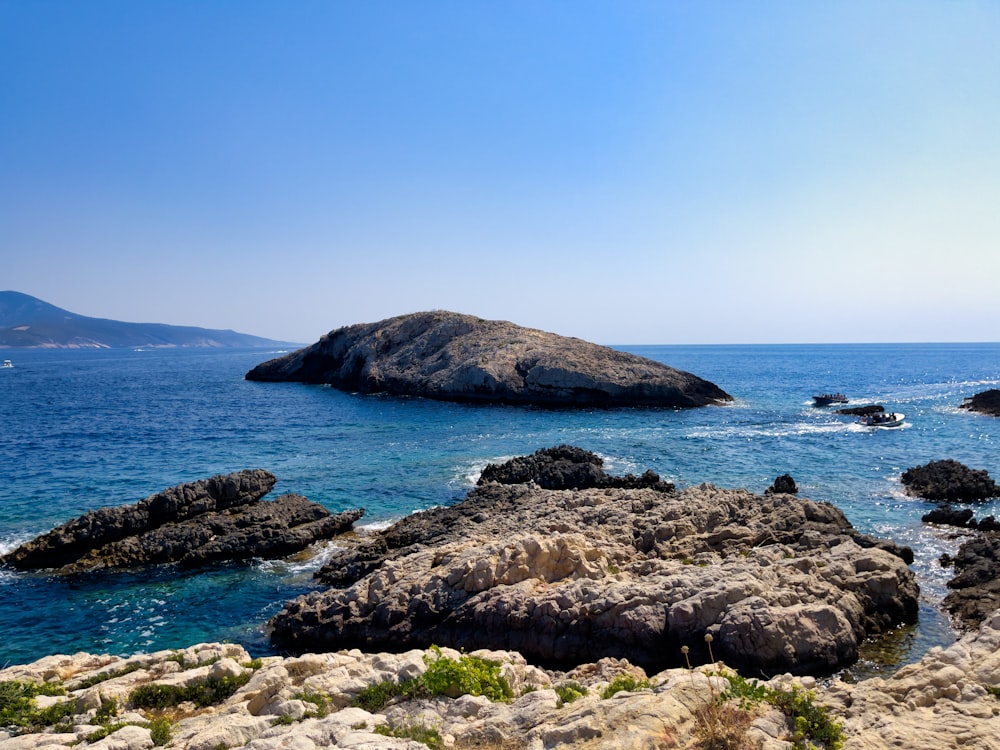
454 357
947 699
193 524
574 575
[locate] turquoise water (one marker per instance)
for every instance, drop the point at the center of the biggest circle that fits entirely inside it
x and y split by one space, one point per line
84 429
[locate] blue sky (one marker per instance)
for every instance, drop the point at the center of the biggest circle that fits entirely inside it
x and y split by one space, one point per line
625 172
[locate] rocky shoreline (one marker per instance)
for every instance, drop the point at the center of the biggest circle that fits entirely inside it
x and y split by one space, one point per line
625 567
213 696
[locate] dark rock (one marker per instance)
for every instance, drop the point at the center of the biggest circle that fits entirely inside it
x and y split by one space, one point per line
196 523
783 485
455 357
987 402
574 575
566 467
948 516
862 411
989 524
975 589
949 481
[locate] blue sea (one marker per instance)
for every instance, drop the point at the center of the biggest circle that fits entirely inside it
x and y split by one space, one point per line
83 429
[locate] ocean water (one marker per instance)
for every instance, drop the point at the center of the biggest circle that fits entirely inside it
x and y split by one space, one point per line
85 429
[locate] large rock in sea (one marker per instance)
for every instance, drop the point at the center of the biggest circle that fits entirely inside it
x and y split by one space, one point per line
633 569
211 520
949 481
454 357
987 402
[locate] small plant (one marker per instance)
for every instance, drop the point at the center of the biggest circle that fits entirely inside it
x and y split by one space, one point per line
811 723
160 730
318 699
282 721
18 707
97 679
181 659
203 693
253 664
467 675
376 697
570 691
625 682
427 735
994 691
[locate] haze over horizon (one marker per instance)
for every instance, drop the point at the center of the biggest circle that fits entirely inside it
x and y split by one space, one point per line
627 173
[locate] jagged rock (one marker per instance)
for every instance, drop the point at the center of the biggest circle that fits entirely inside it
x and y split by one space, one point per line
193 524
987 402
783 485
566 467
975 589
946 699
575 575
950 481
948 516
454 357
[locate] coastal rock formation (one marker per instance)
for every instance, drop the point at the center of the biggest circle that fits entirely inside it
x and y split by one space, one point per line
341 700
949 481
975 589
221 518
571 575
454 357
987 402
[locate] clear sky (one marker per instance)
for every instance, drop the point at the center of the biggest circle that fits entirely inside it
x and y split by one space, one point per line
627 172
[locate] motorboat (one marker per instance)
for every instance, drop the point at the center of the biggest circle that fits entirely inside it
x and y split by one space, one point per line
7 364
892 419
826 399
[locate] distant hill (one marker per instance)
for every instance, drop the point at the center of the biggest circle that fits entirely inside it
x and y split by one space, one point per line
28 322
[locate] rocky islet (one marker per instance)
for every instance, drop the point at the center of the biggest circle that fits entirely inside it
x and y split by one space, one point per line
455 357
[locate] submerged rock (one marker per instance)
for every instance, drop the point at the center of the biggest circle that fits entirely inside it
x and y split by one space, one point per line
216 519
574 575
454 357
950 481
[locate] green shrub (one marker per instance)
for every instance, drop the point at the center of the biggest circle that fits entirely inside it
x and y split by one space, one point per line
625 682
376 697
96 679
570 691
467 675
318 699
18 707
160 730
203 693
427 735
811 723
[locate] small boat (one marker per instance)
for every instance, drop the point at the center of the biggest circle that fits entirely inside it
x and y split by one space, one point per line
830 398
892 419
7 363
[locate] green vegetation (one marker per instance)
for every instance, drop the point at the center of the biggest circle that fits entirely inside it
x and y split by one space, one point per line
625 682
203 693
318 699
570 691
427 735
18 707
186 665
724 721
994 691
96 679
467 675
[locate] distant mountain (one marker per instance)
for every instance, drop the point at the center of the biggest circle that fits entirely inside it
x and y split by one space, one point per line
28 322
